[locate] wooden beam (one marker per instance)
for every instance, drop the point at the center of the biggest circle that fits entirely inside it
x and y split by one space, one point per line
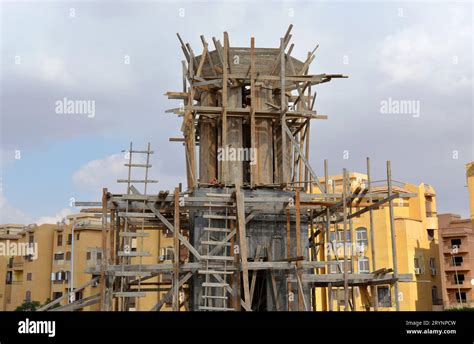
393 236
253 167
243 244
176 252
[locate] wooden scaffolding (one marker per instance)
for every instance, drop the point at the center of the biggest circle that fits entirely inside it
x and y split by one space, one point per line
261 100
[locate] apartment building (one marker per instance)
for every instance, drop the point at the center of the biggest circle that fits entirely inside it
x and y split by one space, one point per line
65 253
457 250
28 269
9 235
416 229
76 245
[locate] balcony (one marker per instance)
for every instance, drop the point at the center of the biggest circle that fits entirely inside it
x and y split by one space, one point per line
466 284
448 248
18 265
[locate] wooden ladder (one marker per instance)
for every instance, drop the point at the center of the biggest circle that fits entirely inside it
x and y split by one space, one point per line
131 232
216 246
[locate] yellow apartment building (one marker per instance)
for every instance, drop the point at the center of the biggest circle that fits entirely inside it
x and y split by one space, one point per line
76 246
9 235
28 271
65 254
416 229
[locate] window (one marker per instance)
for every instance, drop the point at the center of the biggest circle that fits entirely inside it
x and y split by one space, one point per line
456 242
434 295
99 255
430 234
57 295
9 277
77 236
433 266
60 240
418 265
28 296
339 267
29 276
457 260
31 239
166 253
88 255
361 237
461 297
385 300
68 256
363 265
340 236
59 256
78 295
458 278
69 239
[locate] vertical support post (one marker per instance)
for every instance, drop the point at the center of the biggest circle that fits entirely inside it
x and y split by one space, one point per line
393 235
103 302
298 245
176 252
284 167
225 74
326 237
243 244
253 167
288 256
374 291
344 207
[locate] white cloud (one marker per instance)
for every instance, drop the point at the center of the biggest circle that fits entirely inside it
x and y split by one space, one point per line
100 173
97 174
56 218
11 214
440 58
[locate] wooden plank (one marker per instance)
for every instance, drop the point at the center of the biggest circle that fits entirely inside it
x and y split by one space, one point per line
243 244
393 236
103 304
298 244
176 252
253 170
225 72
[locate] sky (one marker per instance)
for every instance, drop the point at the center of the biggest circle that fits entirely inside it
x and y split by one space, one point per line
125 56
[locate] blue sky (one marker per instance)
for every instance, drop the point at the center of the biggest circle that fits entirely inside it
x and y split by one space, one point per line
408 51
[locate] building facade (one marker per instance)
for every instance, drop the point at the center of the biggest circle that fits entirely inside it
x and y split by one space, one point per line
457 250
416 230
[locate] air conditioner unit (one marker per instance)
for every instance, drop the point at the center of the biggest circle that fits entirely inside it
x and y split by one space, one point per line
417 271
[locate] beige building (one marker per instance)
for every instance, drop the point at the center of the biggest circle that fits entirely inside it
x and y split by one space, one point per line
457 250
65 253
416 229
28 267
